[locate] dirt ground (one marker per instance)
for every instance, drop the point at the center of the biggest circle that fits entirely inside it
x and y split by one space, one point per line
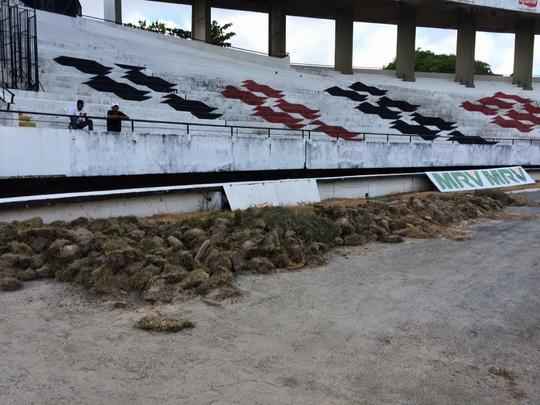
420 323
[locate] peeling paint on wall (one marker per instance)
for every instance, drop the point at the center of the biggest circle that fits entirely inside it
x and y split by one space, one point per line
50 152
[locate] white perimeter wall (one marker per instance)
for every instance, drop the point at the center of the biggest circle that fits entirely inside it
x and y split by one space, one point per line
49 152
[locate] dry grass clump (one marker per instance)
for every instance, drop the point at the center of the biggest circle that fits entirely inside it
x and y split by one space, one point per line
168 258
158 323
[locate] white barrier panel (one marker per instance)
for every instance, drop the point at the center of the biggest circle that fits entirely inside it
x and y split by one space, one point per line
142 205
57 152
466 180
272 193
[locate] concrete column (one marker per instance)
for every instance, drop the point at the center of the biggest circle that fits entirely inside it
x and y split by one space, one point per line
406 43
518 51
277 27
459 55
344 41
113 10
200 20
524 54
465 54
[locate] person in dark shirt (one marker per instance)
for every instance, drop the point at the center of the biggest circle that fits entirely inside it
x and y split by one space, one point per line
114 119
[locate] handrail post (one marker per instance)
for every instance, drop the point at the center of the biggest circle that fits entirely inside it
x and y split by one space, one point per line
36 54
132 125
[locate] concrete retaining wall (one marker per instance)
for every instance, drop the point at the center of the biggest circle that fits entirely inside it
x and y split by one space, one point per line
373 186
52 152
184 199
139 205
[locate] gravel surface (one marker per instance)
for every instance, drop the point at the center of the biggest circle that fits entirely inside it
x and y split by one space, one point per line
424 322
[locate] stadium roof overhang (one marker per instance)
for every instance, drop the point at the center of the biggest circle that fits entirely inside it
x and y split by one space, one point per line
492 15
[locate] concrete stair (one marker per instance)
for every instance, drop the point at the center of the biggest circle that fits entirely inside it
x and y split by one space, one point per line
202 73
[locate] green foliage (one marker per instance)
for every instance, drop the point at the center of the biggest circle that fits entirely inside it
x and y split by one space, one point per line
218 33
482 68
427 61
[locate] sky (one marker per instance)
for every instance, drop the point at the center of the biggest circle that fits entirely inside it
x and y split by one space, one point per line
311 41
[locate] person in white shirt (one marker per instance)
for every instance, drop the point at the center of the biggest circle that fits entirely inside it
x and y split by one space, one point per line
79 118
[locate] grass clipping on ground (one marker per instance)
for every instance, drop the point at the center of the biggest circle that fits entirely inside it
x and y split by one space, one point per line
158 323
177 257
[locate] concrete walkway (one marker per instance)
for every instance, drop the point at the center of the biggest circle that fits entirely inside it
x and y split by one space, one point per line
425 322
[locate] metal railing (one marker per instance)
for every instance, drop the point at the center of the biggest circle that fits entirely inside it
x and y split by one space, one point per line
146 126
18 47
6 95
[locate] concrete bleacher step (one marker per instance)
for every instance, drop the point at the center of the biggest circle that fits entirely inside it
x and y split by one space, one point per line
160 112
176 116
201 74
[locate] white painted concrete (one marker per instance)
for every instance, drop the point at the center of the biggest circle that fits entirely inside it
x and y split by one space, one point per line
202 71
112 10
143 206
272 193
55 152
183 199
372 186
105 194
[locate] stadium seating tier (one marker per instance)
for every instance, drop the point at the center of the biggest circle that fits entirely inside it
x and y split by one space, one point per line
154 77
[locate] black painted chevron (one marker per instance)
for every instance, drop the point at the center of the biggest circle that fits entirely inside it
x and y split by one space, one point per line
374 91
434 122
382 112
196 108
419 130
122 90
460 138
350 94
402 105
84 65
152 82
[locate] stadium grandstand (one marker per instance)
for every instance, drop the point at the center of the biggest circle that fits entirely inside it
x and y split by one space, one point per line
196 108
184 223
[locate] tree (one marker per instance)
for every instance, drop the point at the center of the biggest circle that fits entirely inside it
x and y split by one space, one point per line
218 33
427 61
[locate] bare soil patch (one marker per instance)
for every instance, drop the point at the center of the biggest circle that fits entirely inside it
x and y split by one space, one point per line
422 322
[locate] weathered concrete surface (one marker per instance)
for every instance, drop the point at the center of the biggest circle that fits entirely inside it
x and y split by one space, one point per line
418 323
532 196
55 152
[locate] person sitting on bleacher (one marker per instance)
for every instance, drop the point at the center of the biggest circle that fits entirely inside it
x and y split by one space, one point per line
114 119
79 118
